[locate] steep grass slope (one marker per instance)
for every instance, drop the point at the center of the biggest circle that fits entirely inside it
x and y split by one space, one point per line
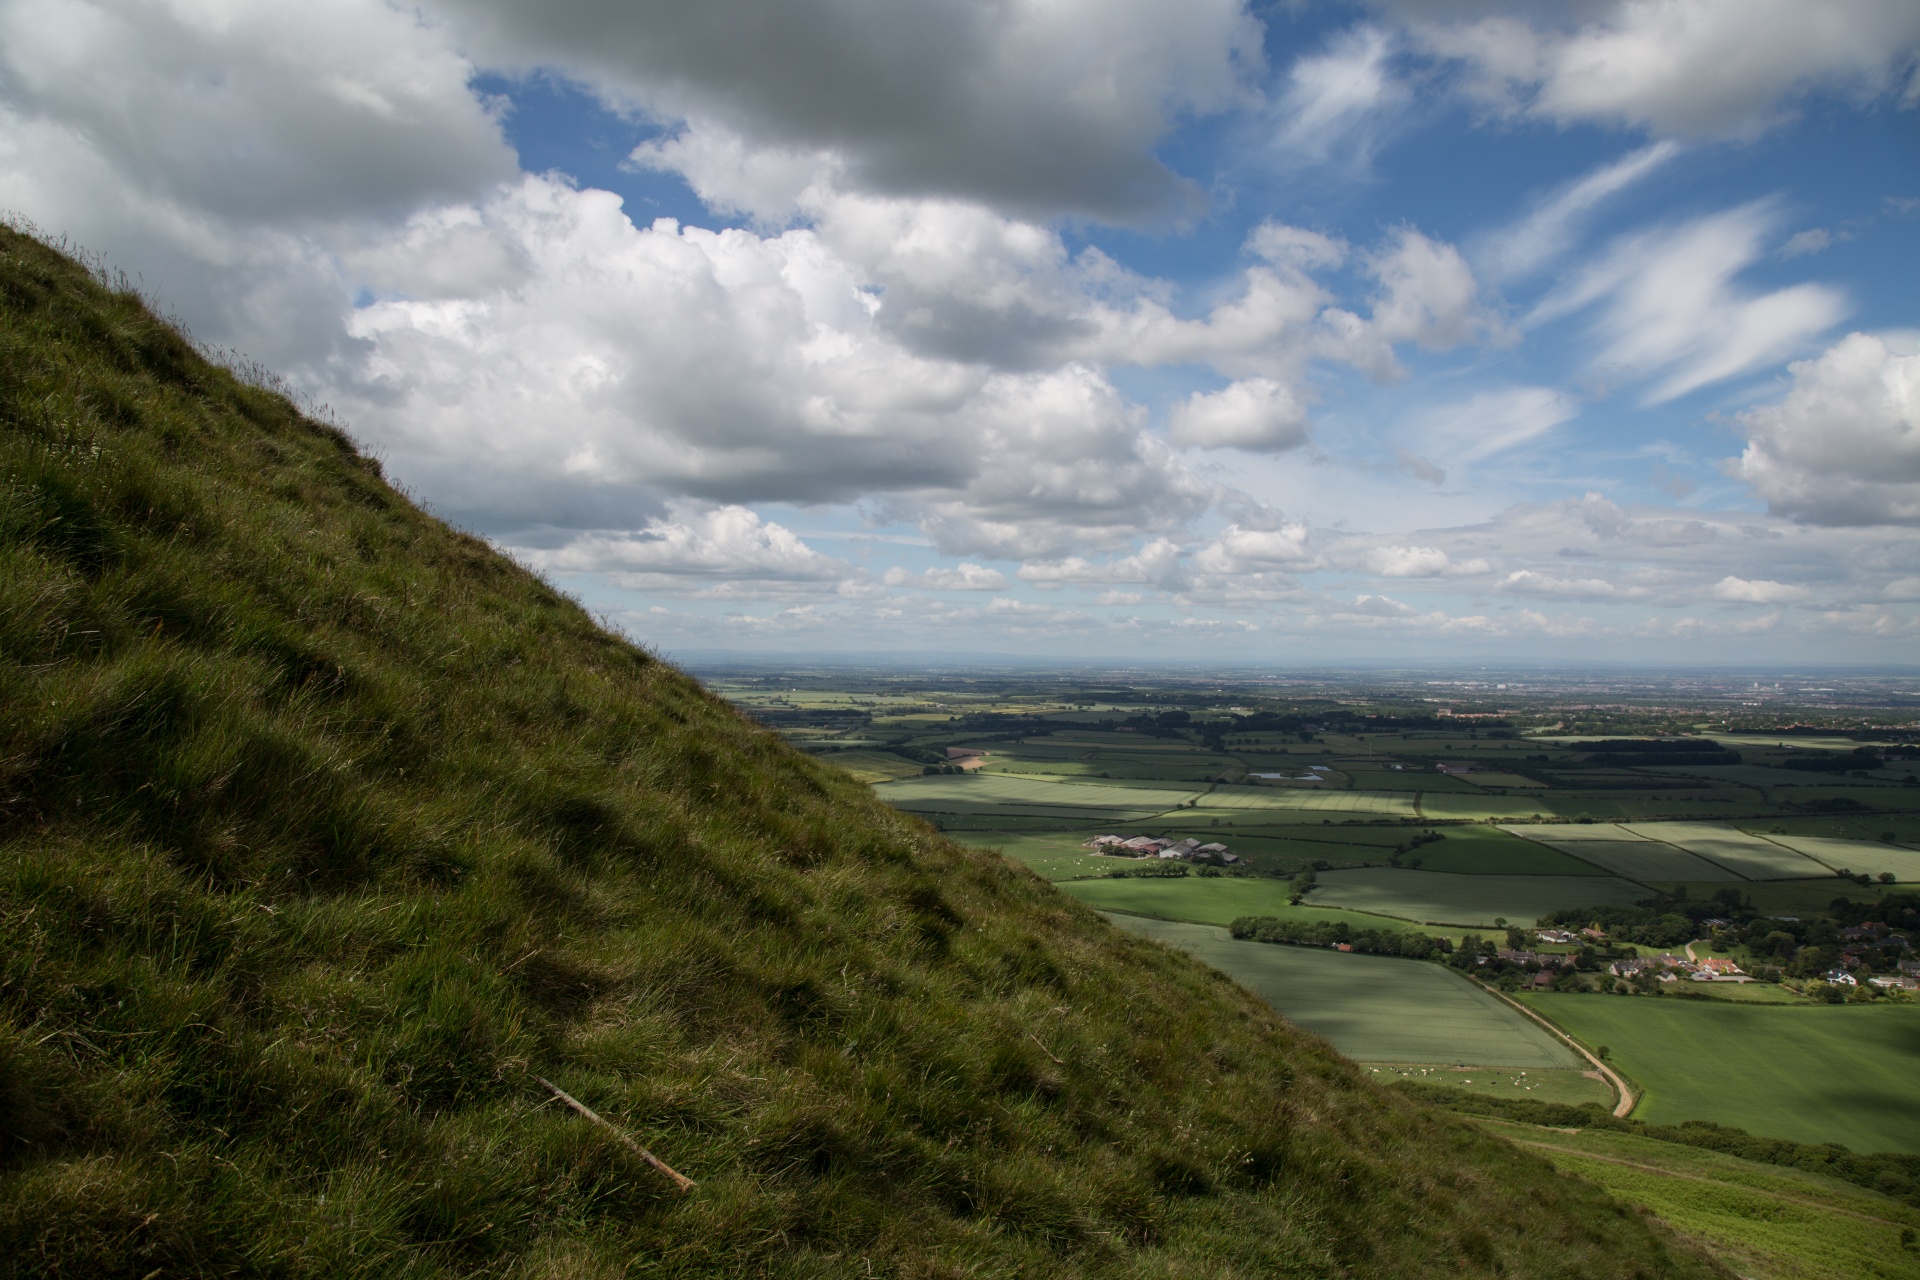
324 831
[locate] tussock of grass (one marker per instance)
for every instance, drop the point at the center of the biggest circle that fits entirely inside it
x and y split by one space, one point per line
324 830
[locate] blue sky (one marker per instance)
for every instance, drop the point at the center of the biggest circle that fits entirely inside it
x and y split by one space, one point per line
1406 330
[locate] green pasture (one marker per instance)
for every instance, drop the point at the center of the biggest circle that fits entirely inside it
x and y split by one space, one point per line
1473 901
1218 901
1812 1073
1053 856
1565 1085
1748 856
1764 1221
1372 1008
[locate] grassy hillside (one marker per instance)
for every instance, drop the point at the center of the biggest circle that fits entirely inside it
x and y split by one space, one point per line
325 831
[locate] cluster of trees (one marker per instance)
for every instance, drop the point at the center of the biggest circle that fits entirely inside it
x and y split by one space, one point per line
1652 923
1156 869
1859 759
1642 752
1318 933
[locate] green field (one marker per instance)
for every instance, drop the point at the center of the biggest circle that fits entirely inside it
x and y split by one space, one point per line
1221 901
1372 1008
1869 856
1749 856
1623 853
1474 901
1815 1073
1489 851
1767 1222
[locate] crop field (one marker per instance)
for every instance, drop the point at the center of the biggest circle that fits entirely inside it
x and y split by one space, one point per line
1767 1222
1479 850
1903 827
1372 1008
1813 1073
1626 854
1748 856
1475 901
1870 856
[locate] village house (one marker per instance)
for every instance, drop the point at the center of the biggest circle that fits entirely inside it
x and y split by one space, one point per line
1896 982
1840 978
1545 958
1557 936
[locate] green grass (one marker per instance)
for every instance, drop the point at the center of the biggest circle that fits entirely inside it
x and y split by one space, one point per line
1816 1073
325 829
1371 1007
1475 901
1769 1223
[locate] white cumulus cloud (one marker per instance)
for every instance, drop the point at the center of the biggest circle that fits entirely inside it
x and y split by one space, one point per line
1843 445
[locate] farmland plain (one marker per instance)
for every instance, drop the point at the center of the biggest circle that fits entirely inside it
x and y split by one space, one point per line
1518 825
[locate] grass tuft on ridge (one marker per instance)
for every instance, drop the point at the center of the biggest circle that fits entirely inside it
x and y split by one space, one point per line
325 829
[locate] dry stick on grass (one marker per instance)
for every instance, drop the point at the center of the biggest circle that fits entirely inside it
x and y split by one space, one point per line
679 1180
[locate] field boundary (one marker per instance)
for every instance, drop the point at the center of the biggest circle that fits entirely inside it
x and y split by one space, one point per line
1628 1099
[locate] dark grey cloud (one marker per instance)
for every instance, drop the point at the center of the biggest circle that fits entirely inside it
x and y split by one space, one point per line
1036 106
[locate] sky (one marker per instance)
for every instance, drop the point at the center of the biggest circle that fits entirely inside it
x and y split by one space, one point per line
1417 330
